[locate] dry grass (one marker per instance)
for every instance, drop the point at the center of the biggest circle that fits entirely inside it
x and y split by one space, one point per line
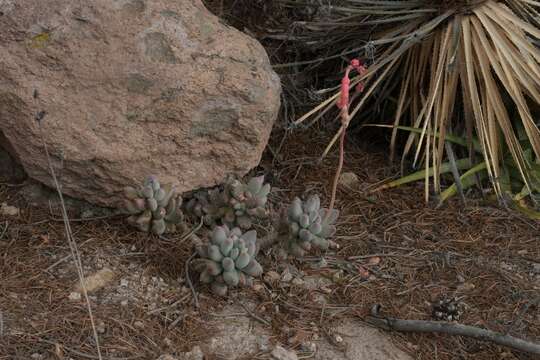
477 251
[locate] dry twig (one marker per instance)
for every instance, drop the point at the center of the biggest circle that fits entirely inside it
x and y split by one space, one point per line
443 327
71 241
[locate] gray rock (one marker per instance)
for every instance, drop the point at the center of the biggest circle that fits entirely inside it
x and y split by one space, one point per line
132 88
38 195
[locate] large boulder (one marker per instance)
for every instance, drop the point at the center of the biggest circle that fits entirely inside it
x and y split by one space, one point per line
131 88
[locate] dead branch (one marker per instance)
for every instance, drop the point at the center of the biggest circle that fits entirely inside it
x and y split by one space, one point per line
450 328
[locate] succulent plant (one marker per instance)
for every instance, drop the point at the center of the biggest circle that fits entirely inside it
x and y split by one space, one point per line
228 260
235 206
153 207
309 225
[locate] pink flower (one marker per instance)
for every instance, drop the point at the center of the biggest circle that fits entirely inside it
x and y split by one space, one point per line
345 85
346 82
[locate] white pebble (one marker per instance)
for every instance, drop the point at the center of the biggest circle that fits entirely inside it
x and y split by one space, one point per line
75 296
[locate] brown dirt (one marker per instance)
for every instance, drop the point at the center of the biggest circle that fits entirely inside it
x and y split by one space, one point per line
410 256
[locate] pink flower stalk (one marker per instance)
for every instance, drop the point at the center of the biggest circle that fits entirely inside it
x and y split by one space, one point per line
346 82
343 105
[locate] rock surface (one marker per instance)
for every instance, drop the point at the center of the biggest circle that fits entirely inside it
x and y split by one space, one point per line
131 88
280 353
238 336
360 342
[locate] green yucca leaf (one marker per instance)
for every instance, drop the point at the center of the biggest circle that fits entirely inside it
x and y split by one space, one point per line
468 179
461 164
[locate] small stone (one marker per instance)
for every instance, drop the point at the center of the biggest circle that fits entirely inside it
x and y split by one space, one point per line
124 302
333 245
75 296
337 275
124 283
316 282
348 180
195 354
258 287
460 279
338 339
320 264
465 287
8 210
263 343
280 353
298 282
286 276
167 357
309 346
100 327
97 280
325 289
36 356
271 276
138 324
87 214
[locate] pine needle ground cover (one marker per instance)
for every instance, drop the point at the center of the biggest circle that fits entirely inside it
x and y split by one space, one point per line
393 251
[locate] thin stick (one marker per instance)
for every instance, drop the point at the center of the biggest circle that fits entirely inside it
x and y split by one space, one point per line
186 236
4 230
71 242
455 171
188 280
90 218
85 355
454 329
255 316
338 171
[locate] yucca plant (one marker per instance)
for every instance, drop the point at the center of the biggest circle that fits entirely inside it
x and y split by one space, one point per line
466 67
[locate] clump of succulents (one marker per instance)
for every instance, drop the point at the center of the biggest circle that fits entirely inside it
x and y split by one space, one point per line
236 205
309 225
228 260
153 207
